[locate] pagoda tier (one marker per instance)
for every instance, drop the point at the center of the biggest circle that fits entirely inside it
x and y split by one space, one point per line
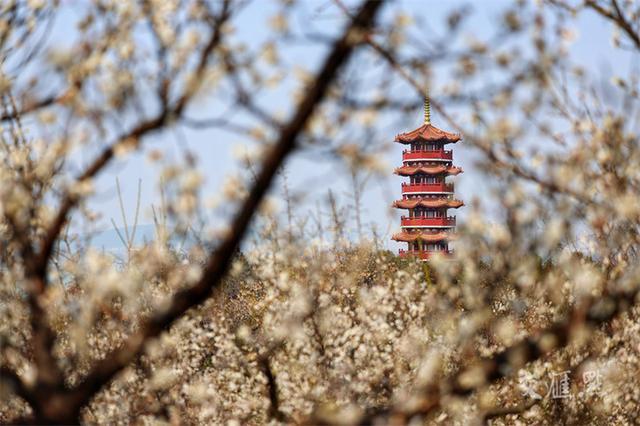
427 133
412 203
429 237
427 229
428 170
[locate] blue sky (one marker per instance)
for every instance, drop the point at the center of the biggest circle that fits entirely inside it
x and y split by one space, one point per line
214 148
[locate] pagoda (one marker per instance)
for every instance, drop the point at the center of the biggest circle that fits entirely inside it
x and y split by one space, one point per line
427 228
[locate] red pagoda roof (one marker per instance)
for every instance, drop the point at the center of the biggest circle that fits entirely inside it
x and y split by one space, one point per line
429 170
429 237
428 202
429 133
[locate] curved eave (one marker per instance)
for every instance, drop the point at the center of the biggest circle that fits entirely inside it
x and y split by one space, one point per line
409 237
427 170
428 203
428 133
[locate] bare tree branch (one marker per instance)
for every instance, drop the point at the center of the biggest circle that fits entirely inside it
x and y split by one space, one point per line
31 107
272 387
617 17
64 405
220 260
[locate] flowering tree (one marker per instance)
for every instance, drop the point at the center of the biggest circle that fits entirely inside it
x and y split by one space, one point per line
538 305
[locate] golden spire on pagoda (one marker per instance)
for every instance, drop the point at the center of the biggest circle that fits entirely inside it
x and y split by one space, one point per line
427 109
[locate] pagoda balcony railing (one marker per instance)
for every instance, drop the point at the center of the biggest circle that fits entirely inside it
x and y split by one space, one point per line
440 187
418 221
419 154
423 254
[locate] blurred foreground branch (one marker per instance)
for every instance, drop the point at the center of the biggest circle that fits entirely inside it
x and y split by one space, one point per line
51 400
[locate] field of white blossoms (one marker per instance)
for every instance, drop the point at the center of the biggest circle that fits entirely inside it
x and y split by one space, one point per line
284 316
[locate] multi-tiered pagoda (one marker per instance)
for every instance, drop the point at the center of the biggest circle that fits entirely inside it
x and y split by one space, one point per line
427 228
